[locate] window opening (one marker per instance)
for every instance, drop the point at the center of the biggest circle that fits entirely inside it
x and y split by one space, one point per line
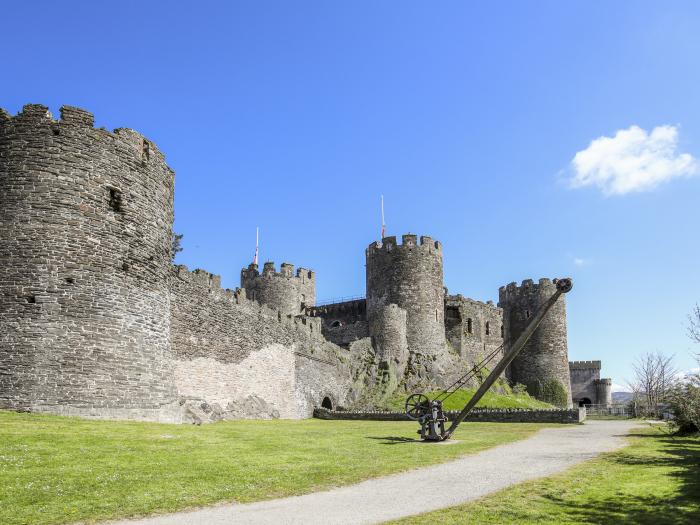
115 199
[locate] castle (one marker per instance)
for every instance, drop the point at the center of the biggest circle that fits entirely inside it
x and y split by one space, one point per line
96 321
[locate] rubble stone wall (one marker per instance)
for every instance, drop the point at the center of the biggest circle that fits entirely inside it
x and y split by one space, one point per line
474 329
343 322
246 360
485 415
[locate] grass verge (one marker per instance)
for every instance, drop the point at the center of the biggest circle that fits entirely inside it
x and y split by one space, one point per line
655 480
61 470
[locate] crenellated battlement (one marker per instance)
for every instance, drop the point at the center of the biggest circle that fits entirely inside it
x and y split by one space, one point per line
603 381
286 271
409 243
454 300
76 118
584 365
284 289
239 296
527 287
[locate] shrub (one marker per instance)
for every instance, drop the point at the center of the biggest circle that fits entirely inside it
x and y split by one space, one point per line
684 400
519 389
552 392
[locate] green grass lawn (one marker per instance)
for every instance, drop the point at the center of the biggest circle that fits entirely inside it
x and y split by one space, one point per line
490 400
656 480
60 470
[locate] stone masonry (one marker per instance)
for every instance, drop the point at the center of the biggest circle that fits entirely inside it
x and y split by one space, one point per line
95 320
282 290
544 360
85 226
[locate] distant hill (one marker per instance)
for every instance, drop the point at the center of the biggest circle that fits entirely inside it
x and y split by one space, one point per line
621 397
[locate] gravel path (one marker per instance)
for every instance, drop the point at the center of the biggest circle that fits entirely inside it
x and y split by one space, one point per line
376 500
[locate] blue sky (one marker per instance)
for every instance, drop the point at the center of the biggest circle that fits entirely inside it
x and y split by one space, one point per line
296 116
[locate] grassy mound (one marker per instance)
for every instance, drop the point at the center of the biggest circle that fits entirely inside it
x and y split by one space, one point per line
63 470
490 400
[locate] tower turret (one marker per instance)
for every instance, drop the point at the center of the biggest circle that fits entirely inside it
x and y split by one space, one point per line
284 290
410 276
603 389
543 365
85 239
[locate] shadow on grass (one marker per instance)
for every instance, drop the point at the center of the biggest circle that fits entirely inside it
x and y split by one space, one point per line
394 440
680 454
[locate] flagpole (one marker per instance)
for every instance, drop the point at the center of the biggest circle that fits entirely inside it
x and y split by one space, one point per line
257 238
383 217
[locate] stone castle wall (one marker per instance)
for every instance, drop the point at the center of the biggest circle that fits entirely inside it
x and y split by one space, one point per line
95 320
584 374
245 359
474 329
545 356
343 323
85 233
587 387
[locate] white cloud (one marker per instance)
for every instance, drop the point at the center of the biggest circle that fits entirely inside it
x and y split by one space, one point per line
619 388
579 261
632 160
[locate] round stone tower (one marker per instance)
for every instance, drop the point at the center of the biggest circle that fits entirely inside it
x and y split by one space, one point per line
603 388
283 290
543 365
85 240
410 276
387 327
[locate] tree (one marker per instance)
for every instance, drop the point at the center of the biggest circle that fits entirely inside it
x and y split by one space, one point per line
684 399
694 324
176 245
654 377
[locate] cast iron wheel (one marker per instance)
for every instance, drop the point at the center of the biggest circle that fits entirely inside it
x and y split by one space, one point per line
417 405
